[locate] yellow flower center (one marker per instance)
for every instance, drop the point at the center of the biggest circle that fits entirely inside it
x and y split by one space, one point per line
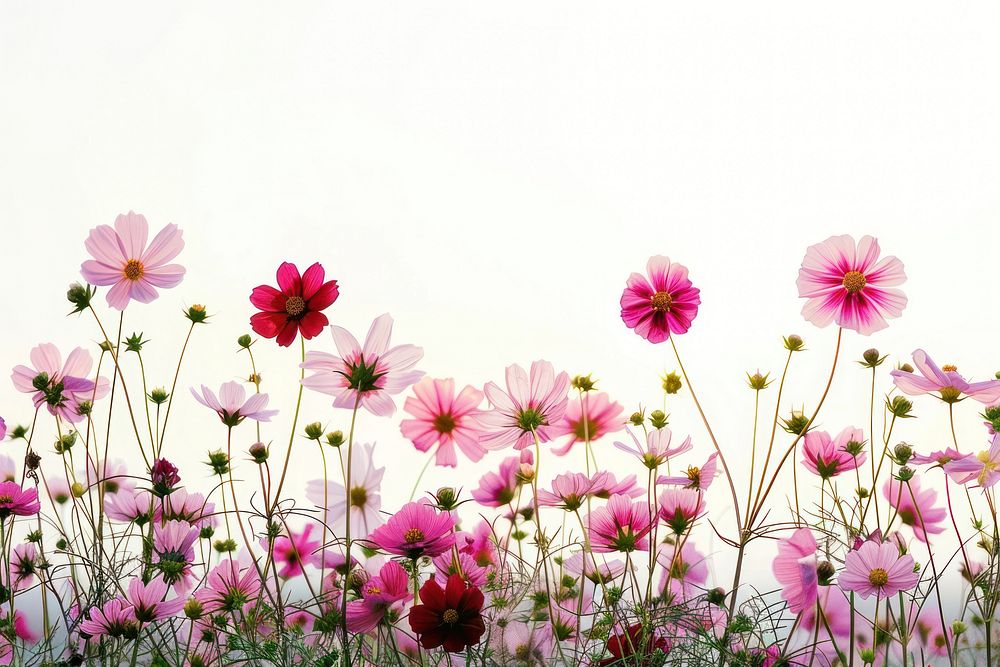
661 302
450 616
6 499
949 368
359 496
295 305
134 270
854 281
878 577
413 535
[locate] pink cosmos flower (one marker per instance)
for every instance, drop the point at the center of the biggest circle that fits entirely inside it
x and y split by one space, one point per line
939 457
23 565
680 507
828 458
695 477
173 552
932 635
446 564
364 376
983 468
61 388
3 429
16 501
944 381
569 491
116 618
445 420
122 259
416 530
915 507
58 490
603 417
666 303
621 525
190 507
497 489
148 600
366 496
8 469
605 485
846 283
296 307
657 450
129 507
230 585
582 564
877 569
837 614
293 552
232 404
379 594
532 404
479 544
795 569
685 572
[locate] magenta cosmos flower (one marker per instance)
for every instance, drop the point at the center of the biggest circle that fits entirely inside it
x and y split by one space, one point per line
232 404
665 303
829 457
173 551
296 306
685 572
115 619
230 586
60 387
621 525
386 590
915 507
845 282
603 416
943 381
680 507
364 376
441 418
569 491
983 468
531 406
148 600
415 530
17 501
876 568
795 569
499 488
122 259
294 551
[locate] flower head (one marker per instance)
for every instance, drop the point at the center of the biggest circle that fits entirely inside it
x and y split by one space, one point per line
657 450
17 501
603 416
569 491
296 306
415 530
685 570
147 600
364 376
173 552
449 617
845 282
915 507
828 458
532 405
621 525
116 618
233 406
62 388
665 303
379 594
294 551
795 569
229 587
982 468
635 646
442 418
696 477
365 496
944 381
680 507
877 568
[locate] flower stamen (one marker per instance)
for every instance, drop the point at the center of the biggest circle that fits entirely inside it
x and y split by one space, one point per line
134 270
854 281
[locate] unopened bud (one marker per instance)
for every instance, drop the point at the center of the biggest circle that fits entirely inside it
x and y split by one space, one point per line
716 596
335 439
636 419
899 406
871 358
244 341
314 431
903 453
583 383
658 419
671 382
196 313
78 489
258 452
825 571
794 343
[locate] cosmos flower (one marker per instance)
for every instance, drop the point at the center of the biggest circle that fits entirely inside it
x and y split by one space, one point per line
294 551
16 501
116 618
365 496
129 507
386 590
569 491
147 600
603 417
173 552
915 507
450 617
828 458
446 564
877 569
122 259
685 571
657 450
845 282
232 404
364 376
795 569
665 303
23 566
680 507
633 645
695 477
532 405
499 488
415 530
621 525
944 381
61 388
441 418
605 484
983 468
230 586
296 306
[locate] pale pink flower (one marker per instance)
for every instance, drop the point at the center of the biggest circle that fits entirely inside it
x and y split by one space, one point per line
532 406
149 600
190 507
441 418
60 387
294 551
915 507
8 469
877 569
122 259
695 477
58 490
944 381
365 496
983 468
605 485
230 586
665 303
23 566
657 450
446 564
837 613
582 564
232 404
113 475
173 552
680 507
479 544
621 525
388 589
829 457
844 282
603 416
795 569
129 507
933 637
685 572
569 491
939 457
364 376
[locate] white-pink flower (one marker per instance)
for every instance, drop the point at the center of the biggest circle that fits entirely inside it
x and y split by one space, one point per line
121 258
60 387
232 404
532 405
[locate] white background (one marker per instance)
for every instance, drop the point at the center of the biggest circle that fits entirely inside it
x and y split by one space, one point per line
491 173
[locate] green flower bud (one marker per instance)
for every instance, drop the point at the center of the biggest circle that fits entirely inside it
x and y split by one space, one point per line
854 448
757 381
196 313
258 452
796 423
206 532
583 383
19 432
218 461
80 297
335 439
958 628
905 474
671 382
193 609
637 419
158 396
314 431
447 498
134 343
867 656
906 368
794 343
224 546
658 419
716 596
825 571
244 341
871 358
903 452
65 442
899 407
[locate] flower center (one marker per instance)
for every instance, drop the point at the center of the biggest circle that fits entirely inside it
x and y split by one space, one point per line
450 616
444 423
6 500
661 301
530 419
854 281
134 269
590 432
359 496
363 377
694 474
878 577
413 535
949 368
294 306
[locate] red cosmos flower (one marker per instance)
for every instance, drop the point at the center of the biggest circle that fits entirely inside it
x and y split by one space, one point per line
629 647
296 307
449 617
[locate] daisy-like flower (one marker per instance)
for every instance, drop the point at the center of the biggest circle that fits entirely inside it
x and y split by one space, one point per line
695 477
845 282
915 507
795 569
366 497
16 501
113 475
479 544
116 618
232 404
983 468
532 405
294 551
441 418
621 525
829 457
605 485
173 552
296 306
446 564
680 507
836 617
666 303
657 450
229 586
415 530
939 457
933 637
8 469
582 564
380 594
147 600
23 566
603 417
499 488
684 572
944 381
61 388
569 491
877 569
190 507
449 617
129 507
121 258
521 643
364 376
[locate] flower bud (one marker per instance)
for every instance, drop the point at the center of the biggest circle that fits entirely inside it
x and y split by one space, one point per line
244 341
958 628
906 368
335 439
867 656
164 477
78 490
314 431
61 544
196 313
903 452
794 343
671 382
871 358
825 571
757 381
447 498
905 474
218 461
862 492
658 419
80 297
206 532
224 546
134 343
65 442
193 609
796 423
18 432
899 407
636 419
158 396
854 448
583 383
84 408
258 452
716 596
34 536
